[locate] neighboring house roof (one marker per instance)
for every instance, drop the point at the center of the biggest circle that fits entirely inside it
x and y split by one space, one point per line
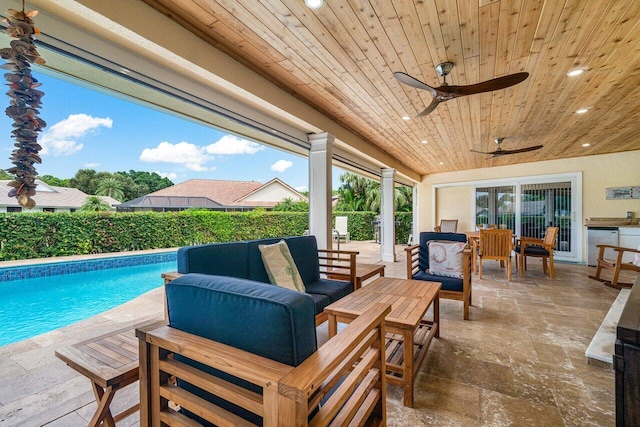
50 196
216 194
220 191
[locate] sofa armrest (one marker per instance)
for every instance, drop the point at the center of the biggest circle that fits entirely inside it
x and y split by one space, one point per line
413 253
350 365
341 265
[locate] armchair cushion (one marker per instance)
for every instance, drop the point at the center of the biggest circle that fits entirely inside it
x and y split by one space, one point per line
280 266
448 283
263 319
445 258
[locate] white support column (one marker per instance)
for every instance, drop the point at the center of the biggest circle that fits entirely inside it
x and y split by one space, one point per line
387 216
415 215
320 155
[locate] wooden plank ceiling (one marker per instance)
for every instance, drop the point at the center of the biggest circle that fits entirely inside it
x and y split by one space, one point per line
340 59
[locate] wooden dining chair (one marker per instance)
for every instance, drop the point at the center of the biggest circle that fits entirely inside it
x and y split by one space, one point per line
495 244
447 226
539 248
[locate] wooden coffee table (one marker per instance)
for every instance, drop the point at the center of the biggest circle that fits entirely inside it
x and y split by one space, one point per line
410 300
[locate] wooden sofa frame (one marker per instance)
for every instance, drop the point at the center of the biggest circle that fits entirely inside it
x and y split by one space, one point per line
413 253
351 366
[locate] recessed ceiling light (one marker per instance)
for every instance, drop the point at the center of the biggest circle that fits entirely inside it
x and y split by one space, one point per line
582 111
314 4
586 144
441 163
575 72
406 118
424 141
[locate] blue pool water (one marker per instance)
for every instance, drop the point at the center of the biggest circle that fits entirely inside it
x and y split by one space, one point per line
30 307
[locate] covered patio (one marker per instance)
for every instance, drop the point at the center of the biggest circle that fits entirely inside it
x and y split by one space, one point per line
520 360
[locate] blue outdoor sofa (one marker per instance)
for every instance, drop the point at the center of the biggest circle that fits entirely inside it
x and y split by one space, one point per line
452 287
241 352
243 260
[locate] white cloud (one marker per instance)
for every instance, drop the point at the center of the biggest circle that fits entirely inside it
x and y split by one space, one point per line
230 145
281 165
185 153
170 175
301 188
62 137
91 165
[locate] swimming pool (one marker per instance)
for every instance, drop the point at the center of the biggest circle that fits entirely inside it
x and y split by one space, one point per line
33 306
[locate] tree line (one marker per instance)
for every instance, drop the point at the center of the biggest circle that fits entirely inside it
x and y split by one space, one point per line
357 194
122 186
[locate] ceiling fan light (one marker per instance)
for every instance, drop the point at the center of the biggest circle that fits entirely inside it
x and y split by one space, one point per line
575 72
445 68
314 4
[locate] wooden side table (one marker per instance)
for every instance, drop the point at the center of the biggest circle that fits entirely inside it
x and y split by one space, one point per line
110 361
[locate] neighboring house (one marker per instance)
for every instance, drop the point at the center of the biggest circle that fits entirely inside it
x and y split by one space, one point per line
48 198
216 195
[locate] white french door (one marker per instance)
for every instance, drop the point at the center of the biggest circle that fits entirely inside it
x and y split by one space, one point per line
529 205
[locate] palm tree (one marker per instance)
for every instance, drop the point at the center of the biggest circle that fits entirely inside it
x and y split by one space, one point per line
95 204
112 187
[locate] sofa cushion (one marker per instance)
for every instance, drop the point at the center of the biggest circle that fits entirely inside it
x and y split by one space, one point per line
281 268
222 259
423 256
445 258
334 289
321 301
254 260
448 283
304 250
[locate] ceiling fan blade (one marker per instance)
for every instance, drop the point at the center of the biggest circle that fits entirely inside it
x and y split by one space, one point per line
430 108
519 150
482 152
413 82
487 86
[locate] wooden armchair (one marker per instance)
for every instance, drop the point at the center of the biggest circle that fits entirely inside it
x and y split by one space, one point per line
452 288
540 248
617 265
238 352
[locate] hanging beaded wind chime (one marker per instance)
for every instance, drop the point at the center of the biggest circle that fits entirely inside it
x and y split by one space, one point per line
25 100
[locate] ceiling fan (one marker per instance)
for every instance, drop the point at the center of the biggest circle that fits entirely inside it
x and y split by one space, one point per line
500 152
446 92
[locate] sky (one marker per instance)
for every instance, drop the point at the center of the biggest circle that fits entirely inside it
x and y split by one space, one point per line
87 129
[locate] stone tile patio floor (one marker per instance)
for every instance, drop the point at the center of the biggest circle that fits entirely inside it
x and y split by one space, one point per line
518 361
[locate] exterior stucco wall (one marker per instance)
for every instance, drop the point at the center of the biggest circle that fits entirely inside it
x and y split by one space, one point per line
598 173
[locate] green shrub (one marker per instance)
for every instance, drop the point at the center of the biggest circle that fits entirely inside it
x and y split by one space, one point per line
44 235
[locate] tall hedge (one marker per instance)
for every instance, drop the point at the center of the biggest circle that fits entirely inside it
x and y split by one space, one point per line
44 235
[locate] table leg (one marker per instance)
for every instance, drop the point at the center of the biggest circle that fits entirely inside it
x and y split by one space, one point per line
436 315
332 324
407 375
103 413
